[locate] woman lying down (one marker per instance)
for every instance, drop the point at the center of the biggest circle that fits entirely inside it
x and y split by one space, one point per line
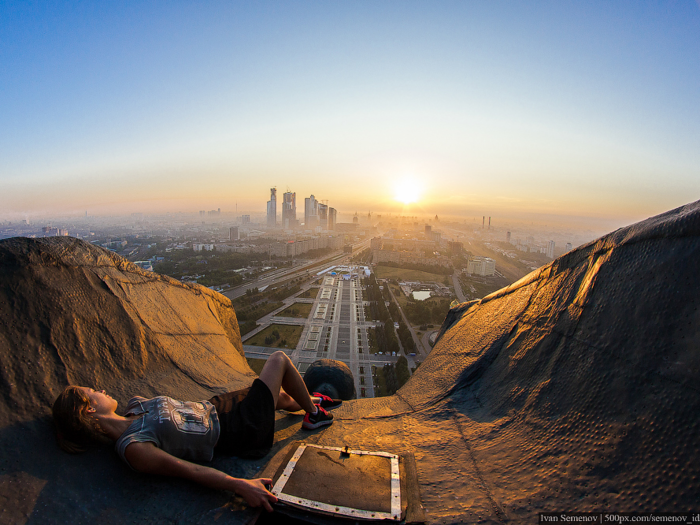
163 436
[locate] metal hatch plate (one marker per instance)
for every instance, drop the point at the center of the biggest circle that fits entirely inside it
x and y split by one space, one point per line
354 483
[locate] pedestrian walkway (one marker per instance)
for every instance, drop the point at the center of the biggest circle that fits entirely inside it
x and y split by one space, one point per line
335 329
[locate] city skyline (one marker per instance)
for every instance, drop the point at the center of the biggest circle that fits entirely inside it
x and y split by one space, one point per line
556 110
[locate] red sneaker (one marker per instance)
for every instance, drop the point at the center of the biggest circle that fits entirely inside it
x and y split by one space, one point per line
321 418
326 402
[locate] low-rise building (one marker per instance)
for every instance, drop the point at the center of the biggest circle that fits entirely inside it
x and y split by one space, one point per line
144 265
483 266
301 246
405 257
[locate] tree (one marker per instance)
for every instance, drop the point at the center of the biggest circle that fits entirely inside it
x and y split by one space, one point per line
394 311
390 379
402 374
406 339
394 346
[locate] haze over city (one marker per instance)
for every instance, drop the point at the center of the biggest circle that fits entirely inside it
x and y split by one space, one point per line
549 111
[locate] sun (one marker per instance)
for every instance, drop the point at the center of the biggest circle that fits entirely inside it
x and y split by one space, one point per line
407 190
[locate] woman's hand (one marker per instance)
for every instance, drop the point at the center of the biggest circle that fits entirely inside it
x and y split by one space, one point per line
255 493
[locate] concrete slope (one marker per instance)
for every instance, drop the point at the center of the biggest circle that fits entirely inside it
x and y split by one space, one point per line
576 388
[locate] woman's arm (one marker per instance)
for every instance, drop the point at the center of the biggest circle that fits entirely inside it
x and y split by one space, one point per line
146 457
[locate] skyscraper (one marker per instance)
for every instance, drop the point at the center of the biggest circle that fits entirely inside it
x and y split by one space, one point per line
550 249
289 210
310 212
332 216
323 215
272 209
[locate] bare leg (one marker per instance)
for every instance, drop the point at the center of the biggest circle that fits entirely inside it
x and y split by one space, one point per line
279 373
286 402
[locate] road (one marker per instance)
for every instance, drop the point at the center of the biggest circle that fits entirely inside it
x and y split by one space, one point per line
458 288
284 274
421 351
263 352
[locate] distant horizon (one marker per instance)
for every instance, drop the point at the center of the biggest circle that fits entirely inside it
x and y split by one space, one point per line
597 225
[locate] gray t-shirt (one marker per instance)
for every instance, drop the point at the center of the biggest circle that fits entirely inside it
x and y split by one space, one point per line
185 429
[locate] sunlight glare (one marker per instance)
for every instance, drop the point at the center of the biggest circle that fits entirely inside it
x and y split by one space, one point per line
407 190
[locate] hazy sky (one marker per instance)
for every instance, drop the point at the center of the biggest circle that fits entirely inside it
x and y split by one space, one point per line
573 108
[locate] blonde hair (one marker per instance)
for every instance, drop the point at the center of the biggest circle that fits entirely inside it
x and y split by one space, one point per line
76 430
